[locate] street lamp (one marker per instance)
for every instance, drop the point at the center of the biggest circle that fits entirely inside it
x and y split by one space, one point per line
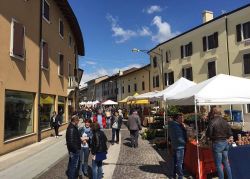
135 50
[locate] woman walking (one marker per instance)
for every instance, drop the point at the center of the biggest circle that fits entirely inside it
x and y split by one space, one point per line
98 150
55 123
116 123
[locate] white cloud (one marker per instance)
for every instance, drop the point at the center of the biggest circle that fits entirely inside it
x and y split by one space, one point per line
154 8
89 62
118 31
164 30
87 77
116 70
145 31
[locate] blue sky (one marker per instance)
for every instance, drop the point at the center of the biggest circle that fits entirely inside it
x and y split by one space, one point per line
111 28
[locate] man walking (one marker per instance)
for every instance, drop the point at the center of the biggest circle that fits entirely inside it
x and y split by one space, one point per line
178 137
73 141
134 125
219 131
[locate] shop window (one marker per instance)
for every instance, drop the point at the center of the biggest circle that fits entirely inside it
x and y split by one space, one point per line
47 107
61 108
19 114
246 61
46 10
45 55
211 69
17 40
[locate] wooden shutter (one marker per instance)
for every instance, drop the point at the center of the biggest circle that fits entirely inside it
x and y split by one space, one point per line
238 32
171 78
183 72
191 74
61 66
211 69
153 82
143 86
182 51
204 41
165 79
18 39
246 59
216 43
190 48
45 55
46 10
61 30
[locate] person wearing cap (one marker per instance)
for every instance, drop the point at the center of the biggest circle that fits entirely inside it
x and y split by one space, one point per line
178 137
73 141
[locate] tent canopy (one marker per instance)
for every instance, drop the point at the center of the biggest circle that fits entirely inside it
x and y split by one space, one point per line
109 102
147 95
180 85
219 90
124 100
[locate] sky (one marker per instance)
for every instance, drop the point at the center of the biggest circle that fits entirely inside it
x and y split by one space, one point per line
112 28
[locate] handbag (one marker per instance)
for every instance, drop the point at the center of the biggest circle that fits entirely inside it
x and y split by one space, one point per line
115 125
100 156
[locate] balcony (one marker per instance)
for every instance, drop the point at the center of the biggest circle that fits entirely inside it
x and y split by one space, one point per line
73 83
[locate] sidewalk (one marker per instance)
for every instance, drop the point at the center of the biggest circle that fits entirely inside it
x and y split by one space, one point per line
30 161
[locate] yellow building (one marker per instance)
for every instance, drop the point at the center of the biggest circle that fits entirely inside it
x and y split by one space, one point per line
219 45
40 44
133 81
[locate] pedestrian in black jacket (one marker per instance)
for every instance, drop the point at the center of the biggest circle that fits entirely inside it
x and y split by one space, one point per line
73 141
116 123
55 122
98 150
219 131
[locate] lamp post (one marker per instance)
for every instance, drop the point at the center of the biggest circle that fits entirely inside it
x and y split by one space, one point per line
135 50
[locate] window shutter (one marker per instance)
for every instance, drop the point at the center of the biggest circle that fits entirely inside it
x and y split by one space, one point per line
204 40
46 10
45 55
183 72
191 48
167 60
216 43
61 67
238 32
246 59
171 78
182 52
153 82
61 30
18 39
191 74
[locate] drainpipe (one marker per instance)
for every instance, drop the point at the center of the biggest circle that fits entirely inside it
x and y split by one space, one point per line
39 71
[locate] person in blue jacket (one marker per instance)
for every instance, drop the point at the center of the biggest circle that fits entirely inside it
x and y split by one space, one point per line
178 137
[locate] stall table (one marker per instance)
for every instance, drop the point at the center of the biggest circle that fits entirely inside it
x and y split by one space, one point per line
206 160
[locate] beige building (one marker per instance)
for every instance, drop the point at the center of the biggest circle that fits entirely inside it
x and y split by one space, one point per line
219 45
40 44
133 81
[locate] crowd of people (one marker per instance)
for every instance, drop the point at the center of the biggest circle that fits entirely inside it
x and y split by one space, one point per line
85 135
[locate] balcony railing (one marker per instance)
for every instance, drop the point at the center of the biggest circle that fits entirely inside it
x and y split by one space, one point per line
72 82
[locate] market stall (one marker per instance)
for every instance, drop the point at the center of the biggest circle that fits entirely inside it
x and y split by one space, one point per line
219 90
109 103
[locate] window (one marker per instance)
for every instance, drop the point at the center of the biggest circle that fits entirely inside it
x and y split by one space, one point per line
155 62
186 50
19 110
128 88
47 107
143 86
211 69
157 84
61 30
46 10
243 31
246 59
61 108
210 42
60 65
135 87
153 82
17 40
169 78
70 40
187 73
45 55
69 69
123 90
168 56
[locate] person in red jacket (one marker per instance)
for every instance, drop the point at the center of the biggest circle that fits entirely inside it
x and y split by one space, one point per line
100 119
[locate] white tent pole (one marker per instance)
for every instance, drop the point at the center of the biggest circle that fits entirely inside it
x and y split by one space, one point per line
197 137
242 113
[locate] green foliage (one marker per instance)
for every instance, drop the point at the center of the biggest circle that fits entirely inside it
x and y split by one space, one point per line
173 110
149 134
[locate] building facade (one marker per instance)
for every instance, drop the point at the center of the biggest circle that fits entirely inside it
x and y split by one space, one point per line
133 81
219 45
40 44
109 88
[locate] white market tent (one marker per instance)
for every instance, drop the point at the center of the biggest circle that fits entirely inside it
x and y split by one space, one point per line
147 95
109 102
219 90
180 85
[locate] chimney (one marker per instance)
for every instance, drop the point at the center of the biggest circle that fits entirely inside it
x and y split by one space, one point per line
207 16
120 73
